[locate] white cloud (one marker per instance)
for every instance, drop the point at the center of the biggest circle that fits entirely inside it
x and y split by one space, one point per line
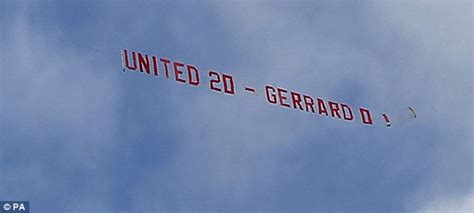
58 104
234 150
440 85
463 204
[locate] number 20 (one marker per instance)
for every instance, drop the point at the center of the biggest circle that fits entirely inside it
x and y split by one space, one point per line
227 81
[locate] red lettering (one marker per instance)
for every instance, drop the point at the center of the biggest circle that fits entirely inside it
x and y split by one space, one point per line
282 98
271 97
125 54
334 109
387 120
213 81
296 100
365 115
144 63
226 80
177 72
347 112
166 63
193 69
321 107
309 103
155 65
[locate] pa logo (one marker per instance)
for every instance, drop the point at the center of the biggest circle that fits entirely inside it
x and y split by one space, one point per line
14 206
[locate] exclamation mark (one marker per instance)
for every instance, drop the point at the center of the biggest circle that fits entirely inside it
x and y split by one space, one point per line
385 117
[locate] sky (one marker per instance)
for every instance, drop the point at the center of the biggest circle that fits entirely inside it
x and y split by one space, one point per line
77 134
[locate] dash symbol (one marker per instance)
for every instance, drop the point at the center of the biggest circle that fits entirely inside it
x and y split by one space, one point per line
250 89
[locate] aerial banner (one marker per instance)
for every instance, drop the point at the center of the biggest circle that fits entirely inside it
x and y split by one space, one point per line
225 83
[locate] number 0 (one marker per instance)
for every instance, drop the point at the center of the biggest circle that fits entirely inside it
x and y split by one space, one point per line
228 79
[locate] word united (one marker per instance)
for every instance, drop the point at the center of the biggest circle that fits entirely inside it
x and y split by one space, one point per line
224 83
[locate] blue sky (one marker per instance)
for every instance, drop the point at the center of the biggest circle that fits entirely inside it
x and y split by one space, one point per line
79 135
